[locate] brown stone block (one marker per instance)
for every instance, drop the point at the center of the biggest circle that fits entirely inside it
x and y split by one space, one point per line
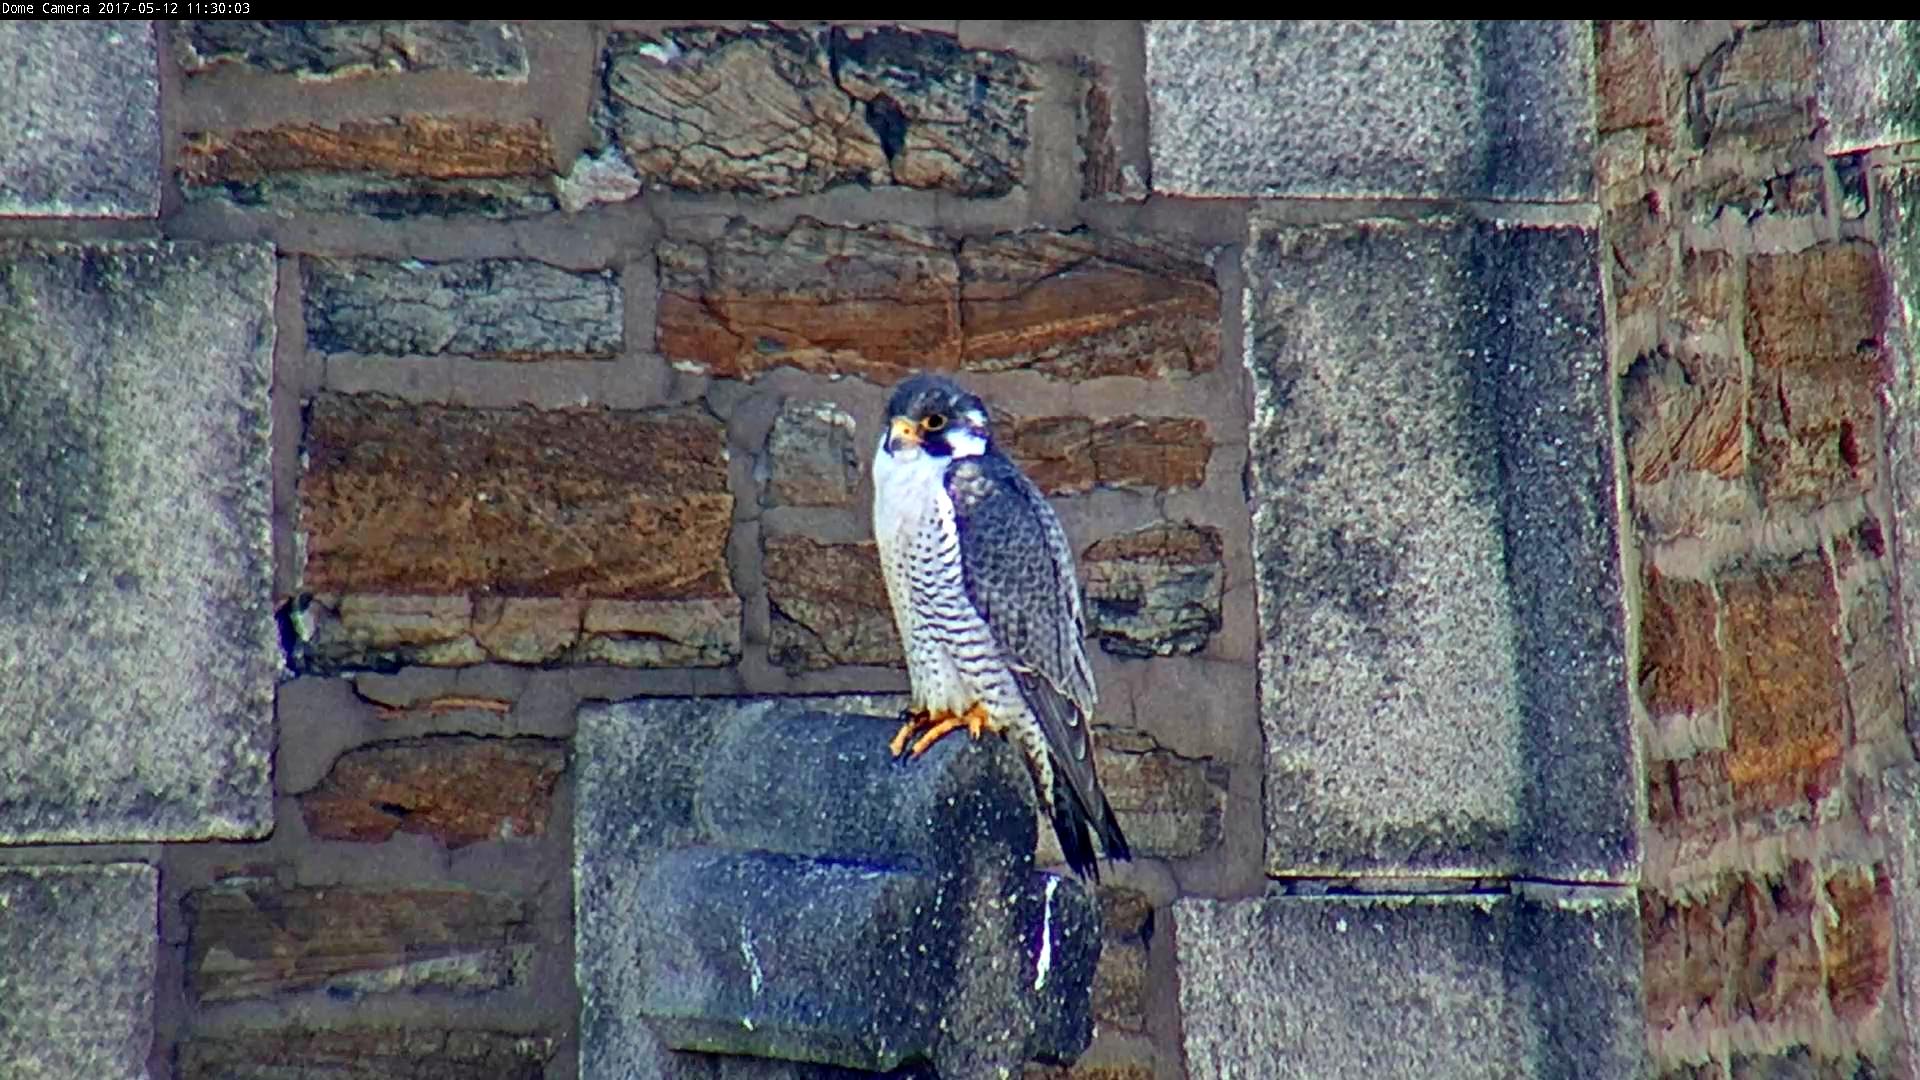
1785 690
1859 941
811 458
1816 432
1679 651
1684 412
1627 73
1155 591
1686 952
1070 455
1774 960
432 147
1641 266
457 789
368 1053
427 499
1120 980
261 940
829 605
1758 86
1708 289
1169 806
880 301
1823 306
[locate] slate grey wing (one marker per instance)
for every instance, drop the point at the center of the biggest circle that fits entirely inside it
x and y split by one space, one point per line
1018 570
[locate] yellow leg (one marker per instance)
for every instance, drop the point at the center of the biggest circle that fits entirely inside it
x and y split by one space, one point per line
916 719
975 720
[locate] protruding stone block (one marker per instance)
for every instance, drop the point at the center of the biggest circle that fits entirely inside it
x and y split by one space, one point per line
137 643
1435 549
761 879
1475 110
77 986
80 119
1384 987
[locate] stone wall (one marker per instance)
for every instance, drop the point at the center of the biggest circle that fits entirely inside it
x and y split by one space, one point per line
1482 442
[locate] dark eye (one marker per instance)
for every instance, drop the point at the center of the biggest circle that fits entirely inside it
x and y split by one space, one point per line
934 422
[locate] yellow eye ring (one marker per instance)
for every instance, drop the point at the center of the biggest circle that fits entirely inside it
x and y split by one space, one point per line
934 422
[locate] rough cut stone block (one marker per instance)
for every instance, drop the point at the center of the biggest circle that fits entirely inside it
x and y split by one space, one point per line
771 111
1897 197
137 643
1477 110
829 605
1069 455
396 167
441 535
811 458
77 986
1435 551
80 119
457 789
1155 591
317 50
756 878
883 300
496 309
260 940
369 1053
1869 82
1381 988
1757 87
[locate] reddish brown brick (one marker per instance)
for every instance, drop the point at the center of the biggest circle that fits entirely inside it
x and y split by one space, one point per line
1774 959
431 500
881 300
1690 803
1684 412
260 940
1816 432
1068 455
437 147
1628 74
829 605
1826 305
1859 941
1679 653
1785 692
1686 956
457 789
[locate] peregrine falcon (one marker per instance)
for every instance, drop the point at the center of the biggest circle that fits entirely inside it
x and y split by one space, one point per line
984 593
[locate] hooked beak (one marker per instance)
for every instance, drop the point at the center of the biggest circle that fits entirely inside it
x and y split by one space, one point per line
902 434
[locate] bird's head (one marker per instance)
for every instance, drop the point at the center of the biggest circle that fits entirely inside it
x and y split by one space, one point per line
934 416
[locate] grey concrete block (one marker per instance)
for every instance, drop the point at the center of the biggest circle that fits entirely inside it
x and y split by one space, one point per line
1463 985
758 878
80 119
492 308
1896 194
1869 82
1484 110
1435 551
76 990
138 650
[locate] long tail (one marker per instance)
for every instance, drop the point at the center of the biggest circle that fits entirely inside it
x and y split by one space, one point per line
1076 823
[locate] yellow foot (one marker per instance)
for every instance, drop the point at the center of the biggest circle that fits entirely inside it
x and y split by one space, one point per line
975 720
915 720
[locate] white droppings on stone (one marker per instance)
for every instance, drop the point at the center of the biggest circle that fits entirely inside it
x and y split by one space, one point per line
1045 963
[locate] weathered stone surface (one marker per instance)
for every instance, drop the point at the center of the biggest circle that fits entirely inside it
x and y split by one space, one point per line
1627 86
395 167
1120 982
1437 669
329 49
1070 455
1759 87
1825 305
80 119
880 301
772 111
1684 412
1155 591
1869 82
496 309
369 1053
1680 664
811 459
1172 805
829 605
137 643
258 939
450 535
457 789
1411 110
1476 985
77 986
1786 694
802 870
1858 958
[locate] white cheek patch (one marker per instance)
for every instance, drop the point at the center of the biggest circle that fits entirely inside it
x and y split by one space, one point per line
966 443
